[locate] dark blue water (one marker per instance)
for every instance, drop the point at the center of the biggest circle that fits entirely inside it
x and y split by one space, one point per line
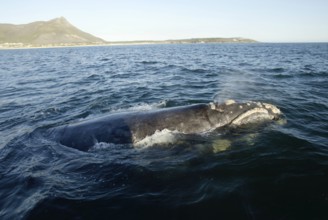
279 171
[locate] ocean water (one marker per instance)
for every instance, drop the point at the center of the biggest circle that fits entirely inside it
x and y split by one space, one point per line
278 171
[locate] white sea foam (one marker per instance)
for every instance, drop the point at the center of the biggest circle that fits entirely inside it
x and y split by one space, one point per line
103 146
135 108
142 107
163 137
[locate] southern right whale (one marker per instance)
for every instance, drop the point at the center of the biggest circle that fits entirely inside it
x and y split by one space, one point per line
132 127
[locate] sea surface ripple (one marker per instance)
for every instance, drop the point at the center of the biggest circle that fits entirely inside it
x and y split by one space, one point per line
277 172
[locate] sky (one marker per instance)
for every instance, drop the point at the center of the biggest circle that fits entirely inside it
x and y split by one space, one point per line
117 20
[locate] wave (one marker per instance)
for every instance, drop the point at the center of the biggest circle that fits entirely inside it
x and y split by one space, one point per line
237 173
142 107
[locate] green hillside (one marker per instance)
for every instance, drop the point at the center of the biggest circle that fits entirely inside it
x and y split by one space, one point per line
56 31
59 32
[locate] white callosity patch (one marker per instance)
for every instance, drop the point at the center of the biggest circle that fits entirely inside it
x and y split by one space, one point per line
273 108
230 102
269 107
212 106
254 114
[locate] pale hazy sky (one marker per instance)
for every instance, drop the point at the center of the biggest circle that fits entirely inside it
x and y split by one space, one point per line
263 20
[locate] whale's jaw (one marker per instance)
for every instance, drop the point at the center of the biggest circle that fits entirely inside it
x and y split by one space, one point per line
235 114
265 112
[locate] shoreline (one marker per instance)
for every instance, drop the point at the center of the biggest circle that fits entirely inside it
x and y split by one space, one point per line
105 45
139 43
68 46
6 46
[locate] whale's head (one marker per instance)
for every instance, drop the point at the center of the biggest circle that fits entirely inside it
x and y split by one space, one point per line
232 113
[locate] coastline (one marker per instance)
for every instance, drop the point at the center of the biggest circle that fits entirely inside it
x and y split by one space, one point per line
9 46
136 44
71 46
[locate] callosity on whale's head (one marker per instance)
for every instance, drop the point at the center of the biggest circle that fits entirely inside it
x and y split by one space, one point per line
235 114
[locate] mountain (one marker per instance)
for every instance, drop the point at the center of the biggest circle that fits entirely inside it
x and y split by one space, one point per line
54 32
59 32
